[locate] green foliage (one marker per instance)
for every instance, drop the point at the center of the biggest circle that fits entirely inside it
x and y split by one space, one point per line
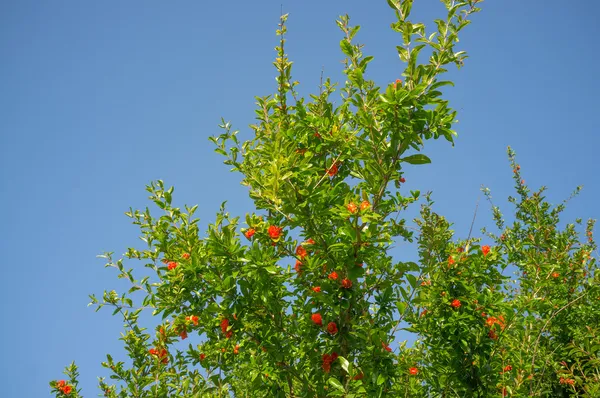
305 299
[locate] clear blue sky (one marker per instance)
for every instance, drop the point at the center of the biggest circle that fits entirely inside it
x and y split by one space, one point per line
97 98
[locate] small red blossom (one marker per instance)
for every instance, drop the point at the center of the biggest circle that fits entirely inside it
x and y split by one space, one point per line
236 349
346 283
359 376
309 241
402 180
301 252
67 389
507 368
316 289
229 334
333 276
327 360
183 334
490 321
386 347
171 265
352 207
332 328
274 232
249 233
61 383
224 325
413 371
186 256
317 319
450 260
455 303
194 319
485 249
492 335
365 205
398 81
202 356
153 351
360 265
298 266
555 274
333 170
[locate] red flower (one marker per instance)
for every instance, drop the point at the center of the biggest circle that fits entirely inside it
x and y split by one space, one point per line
61 383
163 354
186 256
310 241
316 289
507 368
450 260
229 334
298 266
360 265
274 232
67 389
194 319
398 81
326 363
171 265
183 334
413 371
249 233
352 207
424 312
202 356
386 347
555 274
346 283
236 350
455 303
224 325
490 321
402 180
365 205
485 249
492 335
333 276
301 251
332 328
359 376
333 170
153 351
317 319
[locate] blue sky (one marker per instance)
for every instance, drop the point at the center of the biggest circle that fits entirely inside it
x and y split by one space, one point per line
99 98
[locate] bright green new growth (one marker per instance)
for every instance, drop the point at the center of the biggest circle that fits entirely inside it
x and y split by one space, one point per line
331 178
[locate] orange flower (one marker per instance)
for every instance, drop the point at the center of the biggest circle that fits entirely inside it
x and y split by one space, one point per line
309 241
351 207
301 252
202 356
333 170
455 303
67 389
365 205
236 350
61 383
194 319
186 256
386 347
413 371
398 81
346 283
333 276
316 289
298 266
507 368
332 328
485 249
249 233
183 334
450 260
424 312
171 265
317 319
274 232
555 274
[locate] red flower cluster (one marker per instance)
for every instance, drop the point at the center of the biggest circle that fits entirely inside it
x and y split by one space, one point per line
346 283
193 319
570 382
507 368
352 207
328 359
333 170
310 241
455 303
413 371
316 289
301 252
249 233
332 328
64 387
202 356
186 256
236 349
274 232
162 354
333 276
450 260
171 265
365 205
317 319
555 274
183 334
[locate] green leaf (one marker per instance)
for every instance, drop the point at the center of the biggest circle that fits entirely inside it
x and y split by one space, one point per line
346 47
344 363
336 383
416 159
